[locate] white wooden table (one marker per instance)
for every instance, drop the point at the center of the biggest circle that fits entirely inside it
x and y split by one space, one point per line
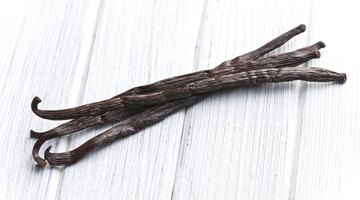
278 141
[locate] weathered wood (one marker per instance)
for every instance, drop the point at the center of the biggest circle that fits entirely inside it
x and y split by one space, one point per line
233 65
239 144
137 42
267 142
39 44
279 68
329 129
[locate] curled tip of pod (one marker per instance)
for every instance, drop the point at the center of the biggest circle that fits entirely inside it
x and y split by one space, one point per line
40 162
48 155
34 104
34 134
47 151
91 112
59 159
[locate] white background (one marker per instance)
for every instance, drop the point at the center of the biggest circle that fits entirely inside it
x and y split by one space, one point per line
277 141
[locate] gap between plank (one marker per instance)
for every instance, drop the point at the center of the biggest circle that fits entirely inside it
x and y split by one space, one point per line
296 131
187 115
79 80
293 144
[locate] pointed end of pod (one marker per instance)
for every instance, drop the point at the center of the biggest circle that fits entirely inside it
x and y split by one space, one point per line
40 162
34 134
321 44
342 78
301 27
34 104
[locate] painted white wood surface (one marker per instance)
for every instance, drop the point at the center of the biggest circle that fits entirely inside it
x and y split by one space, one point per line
329 152
40 44
239 143
276 141
137 42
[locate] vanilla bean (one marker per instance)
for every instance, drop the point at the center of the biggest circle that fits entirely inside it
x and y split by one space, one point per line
273 44
182 91
159 112
125 128
100 107
78 124
291 58
146 105
83 122
286 59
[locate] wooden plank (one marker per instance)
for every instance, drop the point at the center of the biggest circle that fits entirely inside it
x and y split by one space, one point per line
40 44
137 42
240 144
329 157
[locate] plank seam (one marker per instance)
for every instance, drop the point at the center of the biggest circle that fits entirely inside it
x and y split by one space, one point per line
297 131
92 19
187 115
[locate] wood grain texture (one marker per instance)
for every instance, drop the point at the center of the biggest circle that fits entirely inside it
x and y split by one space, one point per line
329 156
240 143
276 141
137 42
39 45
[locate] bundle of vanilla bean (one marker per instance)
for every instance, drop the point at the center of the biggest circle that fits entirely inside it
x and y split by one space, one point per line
146 105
